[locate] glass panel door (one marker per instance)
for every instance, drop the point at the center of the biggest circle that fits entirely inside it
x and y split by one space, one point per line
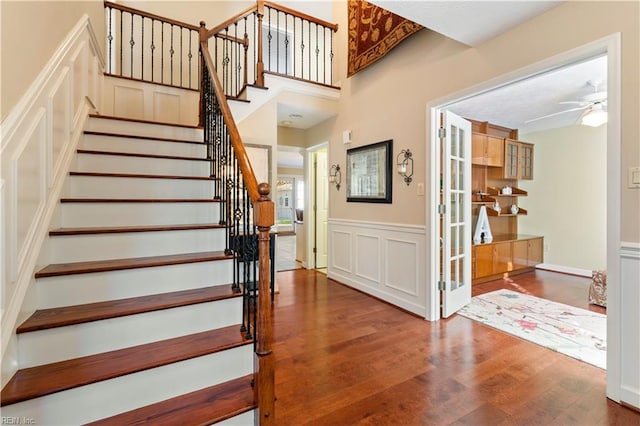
456 253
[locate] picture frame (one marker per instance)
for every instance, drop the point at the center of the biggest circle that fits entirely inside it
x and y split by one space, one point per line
369 173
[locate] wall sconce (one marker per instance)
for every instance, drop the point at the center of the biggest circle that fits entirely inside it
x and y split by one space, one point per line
405 165
335 176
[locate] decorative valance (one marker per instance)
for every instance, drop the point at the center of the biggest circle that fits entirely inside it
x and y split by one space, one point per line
374 32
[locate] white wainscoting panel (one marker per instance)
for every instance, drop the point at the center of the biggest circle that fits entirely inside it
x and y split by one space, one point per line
367 255
402 266
166 107
340 251
59 112
39 137
148 101
630 323
128 102
390 261
28 182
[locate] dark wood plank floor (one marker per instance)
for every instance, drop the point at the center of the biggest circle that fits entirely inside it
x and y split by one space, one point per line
344 358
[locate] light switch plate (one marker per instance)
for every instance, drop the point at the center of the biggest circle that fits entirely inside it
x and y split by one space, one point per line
633 177
420 188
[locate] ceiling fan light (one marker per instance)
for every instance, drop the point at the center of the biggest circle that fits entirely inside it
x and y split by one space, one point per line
594 118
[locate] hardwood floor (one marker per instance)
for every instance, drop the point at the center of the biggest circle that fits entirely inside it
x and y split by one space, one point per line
345 358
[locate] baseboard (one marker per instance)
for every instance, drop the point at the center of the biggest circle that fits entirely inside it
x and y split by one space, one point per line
565 270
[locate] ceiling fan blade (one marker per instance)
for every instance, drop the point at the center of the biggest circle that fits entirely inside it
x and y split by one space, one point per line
583 103
557 113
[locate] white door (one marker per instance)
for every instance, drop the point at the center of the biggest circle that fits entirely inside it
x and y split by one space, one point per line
455 210
321 208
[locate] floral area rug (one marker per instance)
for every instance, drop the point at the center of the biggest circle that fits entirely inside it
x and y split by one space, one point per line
575 332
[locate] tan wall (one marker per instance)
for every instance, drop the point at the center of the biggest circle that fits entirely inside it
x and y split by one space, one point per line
289 136
31 31
566 201
388 100
192 12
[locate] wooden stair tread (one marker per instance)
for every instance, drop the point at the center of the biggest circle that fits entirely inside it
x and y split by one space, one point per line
153 138
46 379
138 120
124 229
73 268
141 176
136 154
44 319
139 200
202 407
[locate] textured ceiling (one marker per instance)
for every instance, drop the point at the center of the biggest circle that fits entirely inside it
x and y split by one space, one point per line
513 105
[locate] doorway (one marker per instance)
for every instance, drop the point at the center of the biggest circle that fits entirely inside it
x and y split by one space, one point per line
318 207
609 46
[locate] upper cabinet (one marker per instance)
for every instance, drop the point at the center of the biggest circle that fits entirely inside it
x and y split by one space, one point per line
518 160
487 150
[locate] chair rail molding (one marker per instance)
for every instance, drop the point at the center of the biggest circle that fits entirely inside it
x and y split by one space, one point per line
629 320
39 137
380 259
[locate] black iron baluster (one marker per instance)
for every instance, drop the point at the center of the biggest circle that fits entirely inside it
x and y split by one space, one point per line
317 55
153 48
236 62
269 37
331 58
302 48
110 39
142 50
309 39
162 52
171 52
131 44
190 56
277 41
121 36
286 44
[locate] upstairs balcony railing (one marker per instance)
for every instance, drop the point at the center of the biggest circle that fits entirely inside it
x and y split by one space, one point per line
264 38
274 39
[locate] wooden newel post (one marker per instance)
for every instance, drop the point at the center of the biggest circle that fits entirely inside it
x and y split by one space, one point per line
264 389
204 41
260 61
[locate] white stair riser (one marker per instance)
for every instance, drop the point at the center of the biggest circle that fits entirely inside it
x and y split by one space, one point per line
137 214
125 393
124 187
78 289
81 248
57 344
142 146
144 129
141 165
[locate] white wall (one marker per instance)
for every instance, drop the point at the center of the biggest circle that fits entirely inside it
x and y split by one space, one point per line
567 197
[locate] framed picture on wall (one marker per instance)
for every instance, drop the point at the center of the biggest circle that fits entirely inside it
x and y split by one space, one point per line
369 173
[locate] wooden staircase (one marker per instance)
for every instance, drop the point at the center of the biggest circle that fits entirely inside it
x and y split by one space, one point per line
136 320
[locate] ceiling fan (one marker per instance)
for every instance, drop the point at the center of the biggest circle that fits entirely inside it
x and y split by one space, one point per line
593 105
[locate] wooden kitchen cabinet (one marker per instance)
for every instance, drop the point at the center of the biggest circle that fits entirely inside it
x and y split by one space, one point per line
487 150
518 160
506 255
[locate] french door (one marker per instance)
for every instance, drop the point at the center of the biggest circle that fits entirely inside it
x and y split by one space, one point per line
455 213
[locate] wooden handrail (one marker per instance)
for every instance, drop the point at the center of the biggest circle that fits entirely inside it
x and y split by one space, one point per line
150 15
333 27
248 175
213 31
